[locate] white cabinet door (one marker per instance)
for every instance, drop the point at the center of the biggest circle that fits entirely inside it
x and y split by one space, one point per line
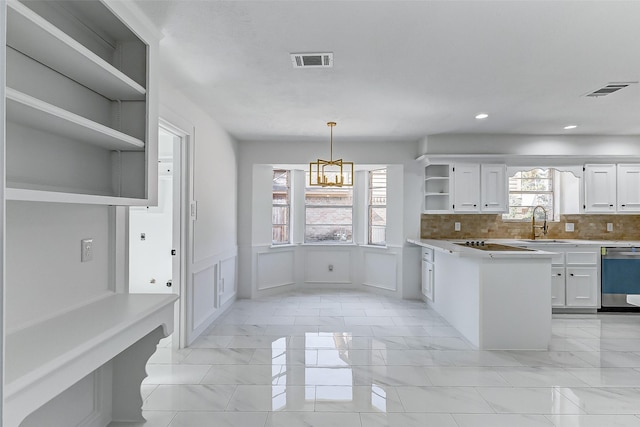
557 287
581 286
628 188
427 279
466 197
600 188
493 188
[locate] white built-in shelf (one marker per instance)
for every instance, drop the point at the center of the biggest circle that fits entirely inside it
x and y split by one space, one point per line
32 112
72 345
37 38
12 192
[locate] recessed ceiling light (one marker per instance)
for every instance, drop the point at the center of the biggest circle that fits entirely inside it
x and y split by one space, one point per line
570 127
482 116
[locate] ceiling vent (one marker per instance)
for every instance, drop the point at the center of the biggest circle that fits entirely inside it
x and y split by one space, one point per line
312 60
609 89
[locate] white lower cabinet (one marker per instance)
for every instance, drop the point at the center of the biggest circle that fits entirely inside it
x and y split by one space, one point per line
582 287
427 273
557 287
574 275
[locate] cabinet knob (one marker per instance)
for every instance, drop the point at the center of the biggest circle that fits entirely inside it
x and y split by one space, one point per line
621 205
559 274
571 274
612 206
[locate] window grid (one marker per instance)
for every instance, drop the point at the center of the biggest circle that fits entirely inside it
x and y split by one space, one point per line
377 207
281 207
328 214
528 189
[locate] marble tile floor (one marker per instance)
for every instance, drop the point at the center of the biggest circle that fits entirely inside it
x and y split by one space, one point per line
354 359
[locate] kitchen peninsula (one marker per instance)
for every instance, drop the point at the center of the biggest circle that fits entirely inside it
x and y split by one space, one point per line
497 297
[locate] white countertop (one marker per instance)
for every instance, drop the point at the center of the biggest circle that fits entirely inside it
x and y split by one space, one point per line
449 246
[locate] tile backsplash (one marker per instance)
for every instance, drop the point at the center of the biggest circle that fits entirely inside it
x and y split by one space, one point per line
590 227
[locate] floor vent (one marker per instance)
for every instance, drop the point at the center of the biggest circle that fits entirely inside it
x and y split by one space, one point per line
312 60
609 89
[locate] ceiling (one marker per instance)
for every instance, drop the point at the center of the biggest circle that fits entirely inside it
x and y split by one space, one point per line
404 69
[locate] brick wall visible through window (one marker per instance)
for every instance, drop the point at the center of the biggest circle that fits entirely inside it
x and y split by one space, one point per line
328 214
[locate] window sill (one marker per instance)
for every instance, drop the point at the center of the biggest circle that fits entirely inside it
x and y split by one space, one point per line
329 244
375 246
284 245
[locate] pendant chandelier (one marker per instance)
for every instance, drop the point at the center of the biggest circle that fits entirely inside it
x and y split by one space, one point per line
331 173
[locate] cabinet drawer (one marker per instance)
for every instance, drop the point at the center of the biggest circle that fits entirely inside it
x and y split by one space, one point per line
427 254
585 257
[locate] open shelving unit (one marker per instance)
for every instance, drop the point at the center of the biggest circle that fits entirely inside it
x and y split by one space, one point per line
437 185
70 86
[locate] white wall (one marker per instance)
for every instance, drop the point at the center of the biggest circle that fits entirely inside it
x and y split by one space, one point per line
44 275
211 259
263 269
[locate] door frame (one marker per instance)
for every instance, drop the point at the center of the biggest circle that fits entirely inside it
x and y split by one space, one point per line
181 230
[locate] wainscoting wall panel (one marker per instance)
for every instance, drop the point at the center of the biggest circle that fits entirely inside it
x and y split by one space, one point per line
329 265
203 296
380 269
227 285
275 268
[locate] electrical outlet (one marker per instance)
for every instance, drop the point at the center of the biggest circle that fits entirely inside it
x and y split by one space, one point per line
569 226
456 226
86 252
609 226
330 267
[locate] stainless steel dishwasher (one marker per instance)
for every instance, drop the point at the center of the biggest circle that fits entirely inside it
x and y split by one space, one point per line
620 277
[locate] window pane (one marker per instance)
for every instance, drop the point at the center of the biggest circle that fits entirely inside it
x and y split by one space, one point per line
378 216
377 235
329 215
280 215
377 219
528 189
280 212
378 196
329 196
280 234
328 233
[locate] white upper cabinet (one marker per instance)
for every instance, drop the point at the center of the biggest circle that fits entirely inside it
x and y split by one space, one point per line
480 188
599 188
493 192
628 188
81 108
466 194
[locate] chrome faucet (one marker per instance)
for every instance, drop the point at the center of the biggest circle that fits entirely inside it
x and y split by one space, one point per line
533 222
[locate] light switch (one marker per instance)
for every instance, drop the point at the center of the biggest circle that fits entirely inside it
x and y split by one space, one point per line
456 226
609 226
86 252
